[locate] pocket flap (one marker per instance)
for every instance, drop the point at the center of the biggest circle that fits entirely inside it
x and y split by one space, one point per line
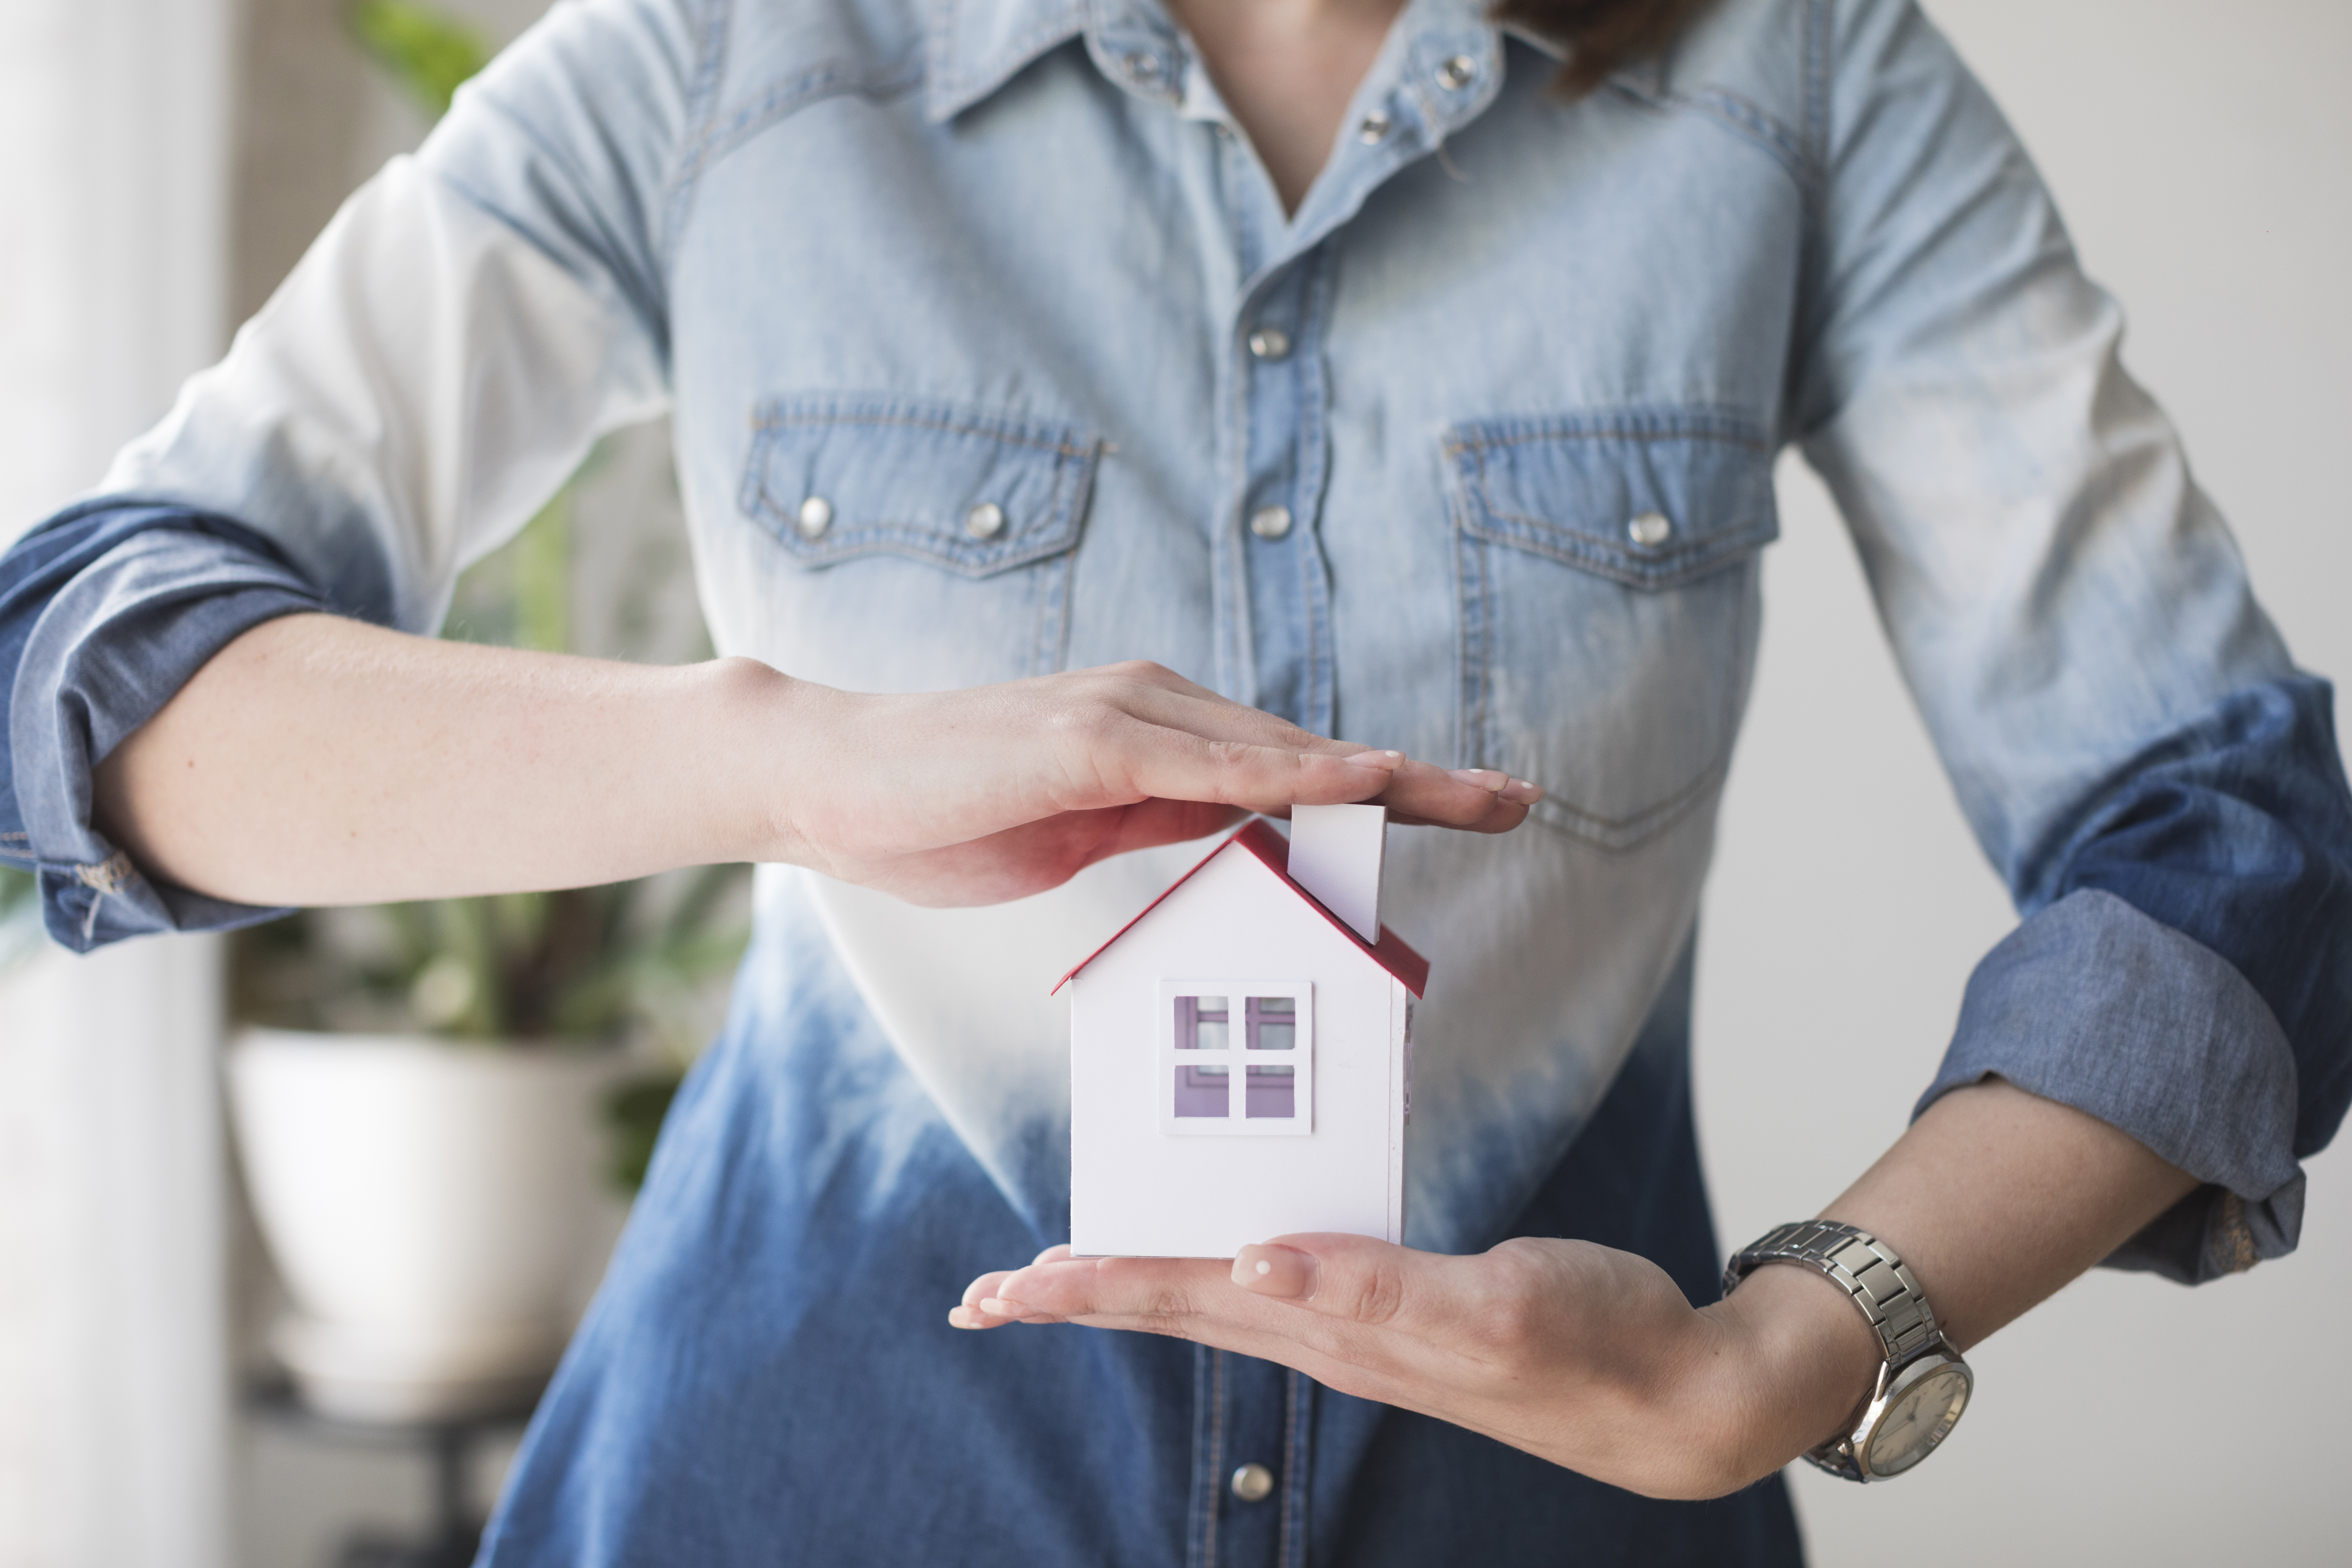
1648 498
838 477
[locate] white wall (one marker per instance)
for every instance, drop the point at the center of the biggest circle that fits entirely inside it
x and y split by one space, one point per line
2203 156
113 1386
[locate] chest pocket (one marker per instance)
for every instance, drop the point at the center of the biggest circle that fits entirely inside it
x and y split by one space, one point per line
1609 583
923 544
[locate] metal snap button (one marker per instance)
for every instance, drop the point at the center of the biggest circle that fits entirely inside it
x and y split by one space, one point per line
1650 529
1253 1483
1270 522
985 520
1139 67
1374 128
814 517
1457 73
1270 342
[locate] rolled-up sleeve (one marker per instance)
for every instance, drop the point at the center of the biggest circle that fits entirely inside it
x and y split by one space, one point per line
105 612
433 370
2137 754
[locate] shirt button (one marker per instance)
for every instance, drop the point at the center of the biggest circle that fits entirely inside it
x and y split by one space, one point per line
1270 522
1253 1482
985 520
1270 342
1649 529
1457 73
1139 67
1374 128
815 516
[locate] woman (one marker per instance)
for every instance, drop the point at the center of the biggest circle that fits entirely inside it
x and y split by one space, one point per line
1327 354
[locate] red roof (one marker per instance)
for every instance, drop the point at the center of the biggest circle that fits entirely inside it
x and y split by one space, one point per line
1274 851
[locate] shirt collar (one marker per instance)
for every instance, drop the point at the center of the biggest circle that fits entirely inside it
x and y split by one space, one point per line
974 47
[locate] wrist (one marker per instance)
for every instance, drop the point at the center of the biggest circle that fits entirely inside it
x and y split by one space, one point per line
772 726
1803 1361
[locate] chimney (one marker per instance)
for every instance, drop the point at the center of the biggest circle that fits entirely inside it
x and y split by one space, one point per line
1335 854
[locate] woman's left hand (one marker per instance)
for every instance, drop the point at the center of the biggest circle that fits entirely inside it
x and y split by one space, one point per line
1578 1354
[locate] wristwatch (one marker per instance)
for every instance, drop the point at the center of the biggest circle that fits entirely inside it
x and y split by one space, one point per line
1923 1384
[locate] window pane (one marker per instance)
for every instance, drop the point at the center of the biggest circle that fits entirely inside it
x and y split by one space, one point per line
1201 1022
1273 1023
1272 1092
1201 1091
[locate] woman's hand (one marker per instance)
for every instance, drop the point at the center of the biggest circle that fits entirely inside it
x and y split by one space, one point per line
996 792
1578 1354
1590 1358
322 761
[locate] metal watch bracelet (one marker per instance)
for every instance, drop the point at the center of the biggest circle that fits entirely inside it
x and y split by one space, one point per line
1865 1269
1890 1299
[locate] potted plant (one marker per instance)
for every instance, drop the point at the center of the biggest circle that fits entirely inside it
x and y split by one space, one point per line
434 1102
432 1160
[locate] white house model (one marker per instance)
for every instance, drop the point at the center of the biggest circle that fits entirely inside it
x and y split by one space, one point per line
1241 1057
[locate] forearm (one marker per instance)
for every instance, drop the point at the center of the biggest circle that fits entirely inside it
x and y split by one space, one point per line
315 760
1995 1198
319 760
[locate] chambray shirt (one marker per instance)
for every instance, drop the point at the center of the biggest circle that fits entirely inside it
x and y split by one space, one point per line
990 351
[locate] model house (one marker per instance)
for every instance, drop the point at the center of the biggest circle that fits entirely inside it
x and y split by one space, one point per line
1241 1057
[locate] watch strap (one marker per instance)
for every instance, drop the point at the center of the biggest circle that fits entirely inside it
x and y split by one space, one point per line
1863 1267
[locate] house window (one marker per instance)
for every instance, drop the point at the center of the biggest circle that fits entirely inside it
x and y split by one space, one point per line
1271 1089
1236 1056
1202 1088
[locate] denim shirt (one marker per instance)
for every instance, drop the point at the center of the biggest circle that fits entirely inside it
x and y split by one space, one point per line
991 352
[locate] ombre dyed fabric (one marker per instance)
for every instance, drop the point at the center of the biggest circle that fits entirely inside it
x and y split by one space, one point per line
1521 372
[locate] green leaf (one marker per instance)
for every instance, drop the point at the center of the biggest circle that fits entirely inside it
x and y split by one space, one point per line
20 914
542 578
429 52
633 1112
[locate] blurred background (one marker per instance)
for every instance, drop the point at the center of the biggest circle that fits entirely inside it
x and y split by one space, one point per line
163 162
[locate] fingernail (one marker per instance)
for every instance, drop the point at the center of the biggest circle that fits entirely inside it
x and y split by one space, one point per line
1387 762
1482 778
1271 1270
1523 791
997 1307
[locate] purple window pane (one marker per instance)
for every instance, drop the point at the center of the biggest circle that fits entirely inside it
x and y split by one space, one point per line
1272 1093
1273 1023
1201 1022
1201 1091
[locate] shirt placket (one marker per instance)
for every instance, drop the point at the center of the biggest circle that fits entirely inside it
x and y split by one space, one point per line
1254 1421
1274 390
1280 395
1251 1458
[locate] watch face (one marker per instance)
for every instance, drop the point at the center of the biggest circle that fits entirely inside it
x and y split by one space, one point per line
1917 1420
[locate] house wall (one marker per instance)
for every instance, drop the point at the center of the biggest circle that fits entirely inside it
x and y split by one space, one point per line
1135 1191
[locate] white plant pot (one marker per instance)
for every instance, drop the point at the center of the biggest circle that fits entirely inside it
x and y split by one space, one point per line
438 1211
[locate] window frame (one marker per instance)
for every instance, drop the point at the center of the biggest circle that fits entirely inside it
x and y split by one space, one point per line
1237 1058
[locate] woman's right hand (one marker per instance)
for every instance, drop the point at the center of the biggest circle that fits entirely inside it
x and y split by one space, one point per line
997 792
321 761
